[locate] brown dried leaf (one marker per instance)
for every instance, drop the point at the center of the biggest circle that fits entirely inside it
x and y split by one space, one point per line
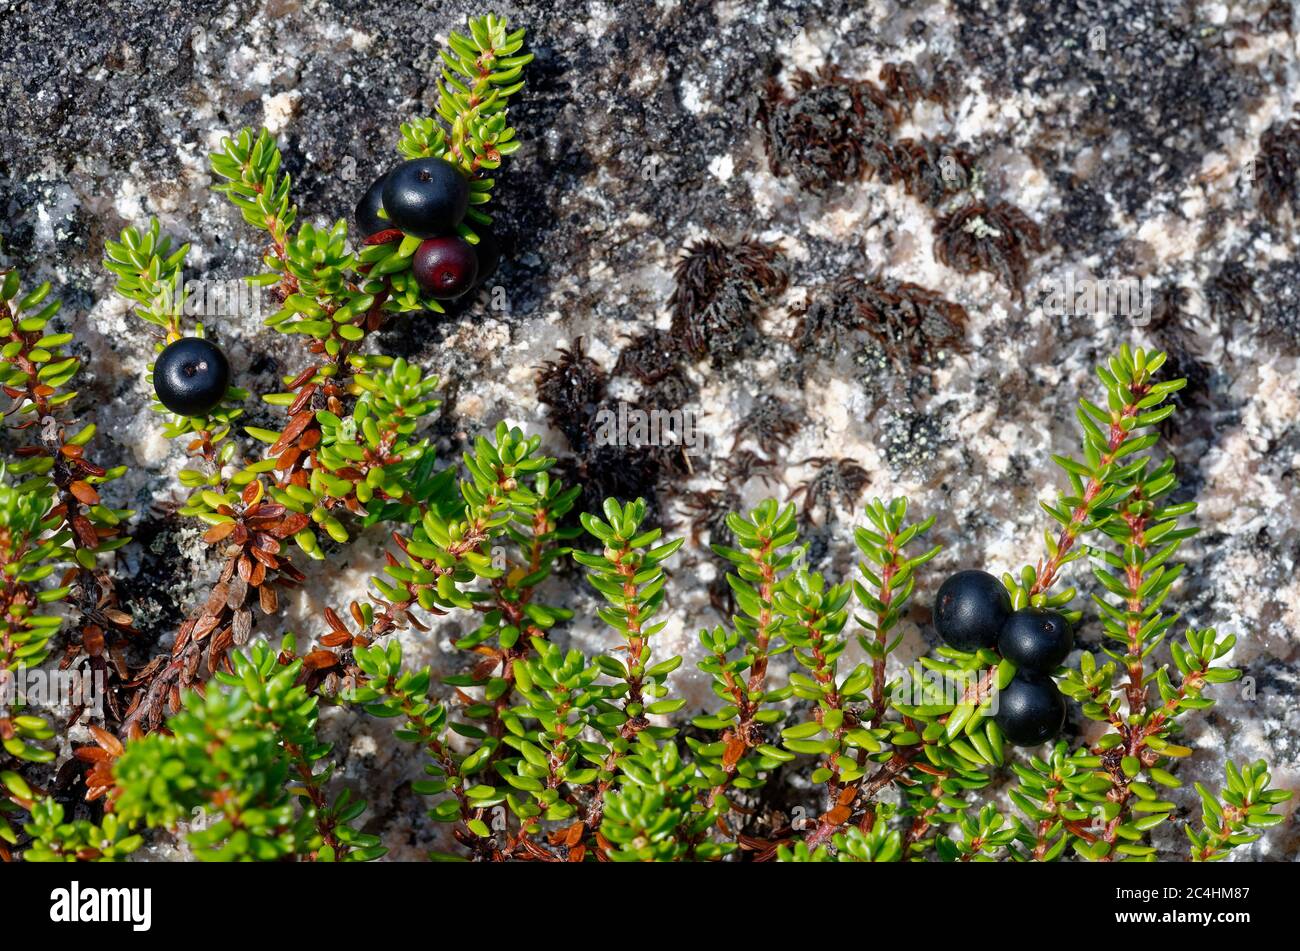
217 598
237 594
735 748
291 432
303 377
266 542
217 532
320 660
291 524
265 557
573 835
205 626
120 618
86 533
84 492
837 816
217 649
242 626
107 741
267 598
334 621
92 639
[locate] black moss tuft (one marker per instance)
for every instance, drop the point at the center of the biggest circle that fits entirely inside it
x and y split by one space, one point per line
913 324
771 423
993 238
931 170
654 360
573 387
829 319
827 131
836 481
1230 295
1275 169
720 290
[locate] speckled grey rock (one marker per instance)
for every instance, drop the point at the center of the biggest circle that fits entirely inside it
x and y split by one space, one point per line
640 136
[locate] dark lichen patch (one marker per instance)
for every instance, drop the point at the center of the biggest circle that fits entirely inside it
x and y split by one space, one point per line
994 238
828 130
575 390
650 357
1279 16
706 513
1150 71
911 440
626 473
1275 168
720 291
745 464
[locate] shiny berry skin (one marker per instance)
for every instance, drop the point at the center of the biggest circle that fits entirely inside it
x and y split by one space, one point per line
445 267
970 610
1036 640
190 376
1031 710
368 208
425 197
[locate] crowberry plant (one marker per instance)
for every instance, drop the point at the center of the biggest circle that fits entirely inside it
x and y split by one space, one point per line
534 749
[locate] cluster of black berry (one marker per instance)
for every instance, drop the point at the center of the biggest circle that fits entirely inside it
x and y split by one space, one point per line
973 611
427 198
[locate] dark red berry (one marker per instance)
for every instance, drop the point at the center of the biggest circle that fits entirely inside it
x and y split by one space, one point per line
1036 640
425 197
970 610
190 376
1031 709
445 267
368 208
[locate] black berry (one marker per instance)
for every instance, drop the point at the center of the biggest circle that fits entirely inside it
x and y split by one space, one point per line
1036 640
190 376
425 197
445 267
970 610
488 252
368 208
1030 709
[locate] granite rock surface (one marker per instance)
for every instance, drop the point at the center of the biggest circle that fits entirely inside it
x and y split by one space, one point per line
1125 129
